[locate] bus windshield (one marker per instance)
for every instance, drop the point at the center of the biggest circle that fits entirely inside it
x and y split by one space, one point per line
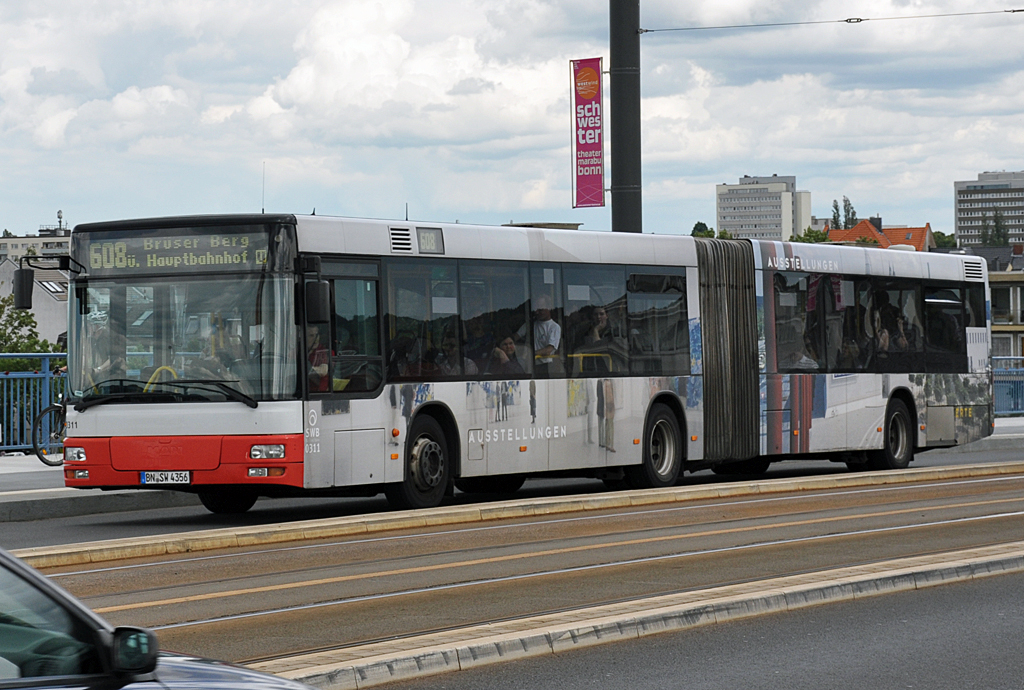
207 338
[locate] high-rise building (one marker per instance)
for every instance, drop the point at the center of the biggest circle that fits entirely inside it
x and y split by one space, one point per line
763 208
978 200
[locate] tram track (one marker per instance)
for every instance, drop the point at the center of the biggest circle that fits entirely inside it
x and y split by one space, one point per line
275 601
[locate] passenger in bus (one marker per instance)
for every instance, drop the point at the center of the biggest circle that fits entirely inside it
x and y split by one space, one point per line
448 359
319 358
503 361
547 336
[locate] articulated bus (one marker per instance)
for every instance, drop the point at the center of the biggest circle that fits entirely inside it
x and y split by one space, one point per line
278 355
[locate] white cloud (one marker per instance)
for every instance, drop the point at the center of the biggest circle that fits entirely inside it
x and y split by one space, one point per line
461 109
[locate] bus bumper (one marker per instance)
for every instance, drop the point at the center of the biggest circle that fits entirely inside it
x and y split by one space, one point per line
123 463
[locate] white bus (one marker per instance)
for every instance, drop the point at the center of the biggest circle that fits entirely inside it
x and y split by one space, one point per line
277 355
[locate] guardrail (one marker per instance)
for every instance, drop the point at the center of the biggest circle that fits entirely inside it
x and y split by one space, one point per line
1008 385
23 394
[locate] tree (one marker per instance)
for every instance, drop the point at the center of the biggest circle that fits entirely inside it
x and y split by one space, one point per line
18 334
8 233
724 235
701 229
837 223
865 241
994 232
943 240
811 236
849 214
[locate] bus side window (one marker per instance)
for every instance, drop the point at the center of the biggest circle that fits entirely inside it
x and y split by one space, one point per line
945 344
659 337
595 320
799 331
422 310
546 326
494 303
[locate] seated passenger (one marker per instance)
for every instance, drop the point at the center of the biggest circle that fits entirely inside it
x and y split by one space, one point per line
503 361
547 335
448 359
319 359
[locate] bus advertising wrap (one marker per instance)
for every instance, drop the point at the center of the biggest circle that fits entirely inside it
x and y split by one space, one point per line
588 129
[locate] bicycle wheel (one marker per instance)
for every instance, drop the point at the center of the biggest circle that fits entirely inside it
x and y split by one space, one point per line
48 436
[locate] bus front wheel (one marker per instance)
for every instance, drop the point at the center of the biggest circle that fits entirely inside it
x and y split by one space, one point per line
898 438
226 502
663 451
427 467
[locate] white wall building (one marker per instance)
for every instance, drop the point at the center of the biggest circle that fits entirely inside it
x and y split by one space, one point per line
51 240
979 199
763 208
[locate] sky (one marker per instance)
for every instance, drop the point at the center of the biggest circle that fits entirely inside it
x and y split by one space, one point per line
461 110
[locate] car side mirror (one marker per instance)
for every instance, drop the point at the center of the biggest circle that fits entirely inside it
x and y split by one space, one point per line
24 281
134 651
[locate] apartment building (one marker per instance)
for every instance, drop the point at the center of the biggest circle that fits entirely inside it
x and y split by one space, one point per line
763 208
976 200
52 240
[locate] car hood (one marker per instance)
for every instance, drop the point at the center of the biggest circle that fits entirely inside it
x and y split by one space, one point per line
182 672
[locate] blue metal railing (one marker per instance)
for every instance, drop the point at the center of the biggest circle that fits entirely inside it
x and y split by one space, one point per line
23 394
1008 385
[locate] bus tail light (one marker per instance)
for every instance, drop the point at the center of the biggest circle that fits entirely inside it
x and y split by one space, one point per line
273 451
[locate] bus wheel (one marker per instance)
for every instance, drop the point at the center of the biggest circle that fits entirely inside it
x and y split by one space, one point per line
507 484
227 502
899 441
427 467
663 451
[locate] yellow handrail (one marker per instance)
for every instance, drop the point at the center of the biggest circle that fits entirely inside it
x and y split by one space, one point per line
156 375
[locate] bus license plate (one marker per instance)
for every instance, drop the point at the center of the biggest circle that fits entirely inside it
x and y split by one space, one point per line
181 477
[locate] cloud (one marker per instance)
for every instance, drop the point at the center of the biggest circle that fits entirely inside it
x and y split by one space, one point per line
461 109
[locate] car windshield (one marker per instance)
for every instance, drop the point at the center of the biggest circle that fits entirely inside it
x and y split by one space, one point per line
201 338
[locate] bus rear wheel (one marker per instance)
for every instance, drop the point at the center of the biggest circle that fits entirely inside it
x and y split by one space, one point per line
227 502
427 468
507 484
898 450
663 451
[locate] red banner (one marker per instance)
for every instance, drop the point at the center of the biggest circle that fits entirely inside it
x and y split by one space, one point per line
588 134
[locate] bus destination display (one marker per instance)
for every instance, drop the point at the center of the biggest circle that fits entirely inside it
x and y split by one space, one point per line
174 254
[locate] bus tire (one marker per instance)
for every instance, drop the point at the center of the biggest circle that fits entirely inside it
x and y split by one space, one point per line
227 502
506 484
898 440
662 449
427 467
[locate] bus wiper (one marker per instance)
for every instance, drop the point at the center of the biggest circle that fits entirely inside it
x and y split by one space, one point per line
92 401
222 386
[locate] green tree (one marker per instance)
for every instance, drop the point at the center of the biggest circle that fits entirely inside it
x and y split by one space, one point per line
811 236
837 223
944 240
724 235
849 214
701 229
8 233
994 232
18 334
865 241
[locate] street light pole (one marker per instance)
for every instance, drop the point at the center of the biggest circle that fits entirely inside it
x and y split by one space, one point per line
624 73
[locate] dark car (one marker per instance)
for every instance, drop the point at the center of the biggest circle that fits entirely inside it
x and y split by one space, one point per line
48 639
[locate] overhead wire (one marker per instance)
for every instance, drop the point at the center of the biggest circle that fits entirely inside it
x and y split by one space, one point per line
848 20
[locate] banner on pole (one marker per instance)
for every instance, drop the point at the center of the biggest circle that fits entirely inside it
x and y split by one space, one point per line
588 134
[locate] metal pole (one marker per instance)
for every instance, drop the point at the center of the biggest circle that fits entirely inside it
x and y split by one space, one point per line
624 75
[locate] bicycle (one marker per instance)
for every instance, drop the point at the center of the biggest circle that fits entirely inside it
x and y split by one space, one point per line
48 431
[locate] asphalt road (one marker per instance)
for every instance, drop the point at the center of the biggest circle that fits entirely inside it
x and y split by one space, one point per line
266 601
102 526
957 636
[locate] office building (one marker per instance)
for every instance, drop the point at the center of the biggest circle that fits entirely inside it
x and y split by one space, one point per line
767 208
977 201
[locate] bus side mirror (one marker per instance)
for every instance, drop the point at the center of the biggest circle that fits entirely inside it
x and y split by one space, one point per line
318 302
24 281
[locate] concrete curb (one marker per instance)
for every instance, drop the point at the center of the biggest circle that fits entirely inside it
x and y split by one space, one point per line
330 528
386 662
40 504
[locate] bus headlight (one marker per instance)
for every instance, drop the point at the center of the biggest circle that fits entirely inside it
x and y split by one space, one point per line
268 451
74 455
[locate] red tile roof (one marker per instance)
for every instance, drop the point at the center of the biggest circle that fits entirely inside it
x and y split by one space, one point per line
919 238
